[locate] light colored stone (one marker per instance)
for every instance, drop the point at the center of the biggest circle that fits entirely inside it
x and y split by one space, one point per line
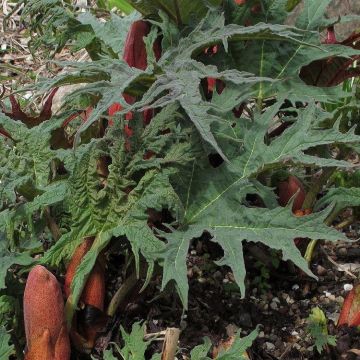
269 346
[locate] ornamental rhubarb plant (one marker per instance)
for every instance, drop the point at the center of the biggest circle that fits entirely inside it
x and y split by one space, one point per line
186 113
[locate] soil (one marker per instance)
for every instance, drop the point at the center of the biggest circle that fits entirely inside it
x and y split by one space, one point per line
278 301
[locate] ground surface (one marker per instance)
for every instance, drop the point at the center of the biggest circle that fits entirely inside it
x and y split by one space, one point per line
279 304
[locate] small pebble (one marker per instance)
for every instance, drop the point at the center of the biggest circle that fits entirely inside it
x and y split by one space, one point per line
283 310
289 300
273 305
204 329
244 320
330 296
218 275
348 287
269 346
295 287
231 276
199 248
334 317
342 251
321 271
273 338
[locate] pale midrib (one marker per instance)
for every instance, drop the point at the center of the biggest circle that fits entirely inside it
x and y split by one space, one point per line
231 185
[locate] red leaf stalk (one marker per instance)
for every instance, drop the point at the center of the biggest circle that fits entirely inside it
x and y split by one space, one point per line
93 295
94 290
135 55
330 36
350 311
16 112
287 189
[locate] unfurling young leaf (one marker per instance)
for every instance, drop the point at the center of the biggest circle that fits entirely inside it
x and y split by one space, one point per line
317 327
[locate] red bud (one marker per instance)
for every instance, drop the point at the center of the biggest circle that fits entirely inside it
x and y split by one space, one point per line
45 327
287 189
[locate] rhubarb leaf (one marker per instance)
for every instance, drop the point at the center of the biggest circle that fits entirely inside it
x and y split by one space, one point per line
215 198
317 327
287 60
342 197
200 352
6 350
180 77
180 11
123 5
291 145
135 346
108 355
28 158
120 207
113 32
239 347
8 259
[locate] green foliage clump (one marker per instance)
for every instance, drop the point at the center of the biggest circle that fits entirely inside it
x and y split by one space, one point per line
65 180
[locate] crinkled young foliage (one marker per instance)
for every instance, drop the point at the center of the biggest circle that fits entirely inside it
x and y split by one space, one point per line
259 64
54 24
135 346
6 350
317 327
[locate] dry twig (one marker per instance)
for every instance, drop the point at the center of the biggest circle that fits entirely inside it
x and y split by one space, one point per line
170 344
